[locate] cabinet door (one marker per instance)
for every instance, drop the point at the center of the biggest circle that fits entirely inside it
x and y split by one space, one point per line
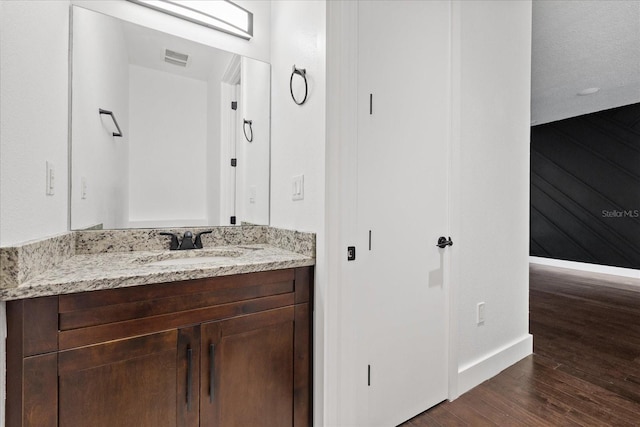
129 382
247 370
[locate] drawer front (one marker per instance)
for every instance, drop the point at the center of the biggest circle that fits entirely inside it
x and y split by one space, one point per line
92 317
146 325
117 305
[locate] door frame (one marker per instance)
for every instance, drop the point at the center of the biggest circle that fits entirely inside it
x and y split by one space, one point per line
230 91
338 397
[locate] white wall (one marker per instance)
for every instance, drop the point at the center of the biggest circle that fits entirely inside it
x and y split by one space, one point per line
254 157
298 142
100 80
34 40
33 118
490 148
164 184
297 132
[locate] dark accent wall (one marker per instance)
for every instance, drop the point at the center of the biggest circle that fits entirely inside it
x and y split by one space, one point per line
585 188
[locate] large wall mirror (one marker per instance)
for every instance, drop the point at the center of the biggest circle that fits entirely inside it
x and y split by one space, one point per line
185 110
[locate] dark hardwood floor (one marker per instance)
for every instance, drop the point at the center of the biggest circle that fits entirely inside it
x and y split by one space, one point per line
585 370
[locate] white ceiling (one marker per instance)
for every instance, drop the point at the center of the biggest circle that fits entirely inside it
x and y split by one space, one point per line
146 48
579 44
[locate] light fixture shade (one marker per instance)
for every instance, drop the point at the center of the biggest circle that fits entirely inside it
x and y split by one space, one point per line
221 15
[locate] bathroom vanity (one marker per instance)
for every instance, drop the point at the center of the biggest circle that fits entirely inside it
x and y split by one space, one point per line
229 349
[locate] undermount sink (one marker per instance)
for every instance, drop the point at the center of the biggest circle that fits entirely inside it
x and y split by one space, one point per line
189 261
196 256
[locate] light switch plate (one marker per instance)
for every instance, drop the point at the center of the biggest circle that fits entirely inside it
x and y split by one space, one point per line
297 187
480 313
51 179
83 187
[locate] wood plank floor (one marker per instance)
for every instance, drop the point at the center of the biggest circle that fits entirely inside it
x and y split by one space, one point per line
585 370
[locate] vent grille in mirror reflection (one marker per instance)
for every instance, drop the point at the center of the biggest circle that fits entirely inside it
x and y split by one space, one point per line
176 58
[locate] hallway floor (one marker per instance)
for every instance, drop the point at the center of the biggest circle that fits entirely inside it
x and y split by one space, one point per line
585 370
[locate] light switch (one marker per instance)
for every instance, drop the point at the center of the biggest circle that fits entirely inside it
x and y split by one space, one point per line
297 190
51 179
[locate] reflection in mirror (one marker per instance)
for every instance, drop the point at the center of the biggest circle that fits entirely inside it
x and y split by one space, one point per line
181 107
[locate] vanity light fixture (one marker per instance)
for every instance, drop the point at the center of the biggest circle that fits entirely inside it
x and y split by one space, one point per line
221 15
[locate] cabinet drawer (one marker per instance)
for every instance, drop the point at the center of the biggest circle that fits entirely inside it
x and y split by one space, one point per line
117 305
147 325
93 317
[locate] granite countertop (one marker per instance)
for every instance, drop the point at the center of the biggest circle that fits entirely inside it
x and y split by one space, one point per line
89 272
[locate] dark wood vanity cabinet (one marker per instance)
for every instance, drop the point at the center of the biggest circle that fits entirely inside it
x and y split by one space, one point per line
226 351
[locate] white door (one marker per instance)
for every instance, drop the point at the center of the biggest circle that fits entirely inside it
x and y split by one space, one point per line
403 139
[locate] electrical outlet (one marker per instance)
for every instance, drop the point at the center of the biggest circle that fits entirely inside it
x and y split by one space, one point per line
297 187
480 313
253 191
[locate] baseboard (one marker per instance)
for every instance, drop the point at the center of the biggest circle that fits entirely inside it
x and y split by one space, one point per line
583 266
481 370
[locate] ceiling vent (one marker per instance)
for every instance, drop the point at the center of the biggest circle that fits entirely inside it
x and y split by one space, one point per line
176 58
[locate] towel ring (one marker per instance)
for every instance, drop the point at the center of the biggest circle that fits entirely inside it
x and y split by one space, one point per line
302 73
244 129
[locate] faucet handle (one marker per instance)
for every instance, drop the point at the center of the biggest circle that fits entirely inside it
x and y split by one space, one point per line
187 241
199 238
174 240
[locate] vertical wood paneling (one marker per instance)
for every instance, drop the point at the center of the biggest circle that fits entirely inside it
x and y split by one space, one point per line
585 188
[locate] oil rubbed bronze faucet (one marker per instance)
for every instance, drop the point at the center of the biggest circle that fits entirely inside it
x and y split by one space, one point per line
187 241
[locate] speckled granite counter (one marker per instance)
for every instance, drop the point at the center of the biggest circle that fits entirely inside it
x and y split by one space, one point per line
114 270
79 271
